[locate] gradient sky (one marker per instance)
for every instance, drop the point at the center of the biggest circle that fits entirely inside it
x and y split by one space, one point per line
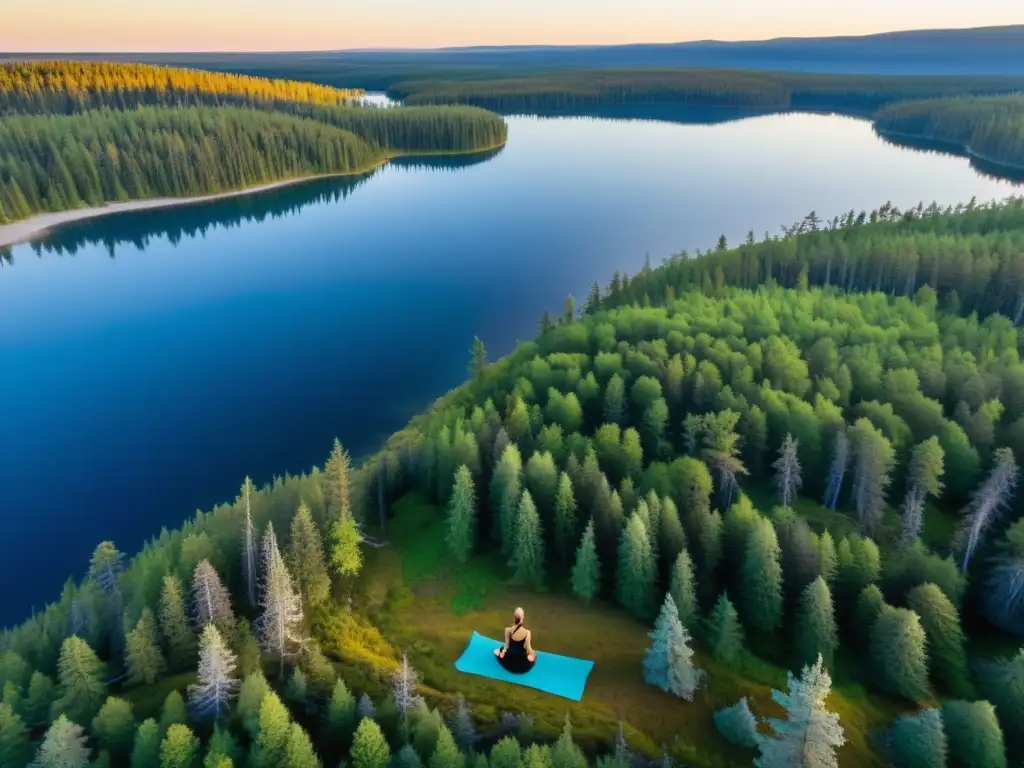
198 25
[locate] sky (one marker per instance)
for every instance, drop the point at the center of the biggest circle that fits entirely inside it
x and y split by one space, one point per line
268 25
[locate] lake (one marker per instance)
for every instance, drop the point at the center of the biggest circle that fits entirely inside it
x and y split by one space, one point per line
149 361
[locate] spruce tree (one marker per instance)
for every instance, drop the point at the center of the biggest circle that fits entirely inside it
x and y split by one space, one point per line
683 588
724 631
506 490
668 664
507 753
828 560
64 746
407 758
761 579
462 725
249 556
306 558
173 711
527 561
636 571
899 652
180 640
346 558
250 698
737 724
671 537
565 753
462 516
143 658
973 734
279 629
404 683
340 721
1002 683
946 643
271 741
816 632
298 750
446 753
565 518
114 728
80 689
36 706
337 491
146 747
369 747
211 601
15 749
788 478
586 573
810 734
180 748
217 686
918 740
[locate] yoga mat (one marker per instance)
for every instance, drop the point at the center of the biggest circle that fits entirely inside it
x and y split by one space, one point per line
560 675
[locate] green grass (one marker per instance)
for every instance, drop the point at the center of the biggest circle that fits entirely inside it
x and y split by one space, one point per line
425 604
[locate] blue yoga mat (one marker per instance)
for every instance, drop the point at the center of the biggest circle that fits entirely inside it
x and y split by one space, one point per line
561 675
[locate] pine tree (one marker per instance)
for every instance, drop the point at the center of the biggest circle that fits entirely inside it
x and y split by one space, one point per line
828 559
506 490
816 632
80 688
105 569
249 543
668 664
268 751
973 734
181 642
873 460
15 749
527 560
988 503
478 359
462 515
565 518
761 579
346 557
683 588
586 573
337 493
64 746
810 734
217 686
341 715
446 753
143 658
173 711
114 728
146 747
918 740
507 753
724 631
787 472
369 748
306 558
298 751
211 602
899 652
636 571
180 748
565 753
279 630
223 750
946 644
404 683
737 724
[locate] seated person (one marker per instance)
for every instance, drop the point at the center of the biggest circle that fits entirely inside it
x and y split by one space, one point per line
517 654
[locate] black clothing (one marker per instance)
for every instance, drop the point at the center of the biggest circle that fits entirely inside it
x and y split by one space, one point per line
515 659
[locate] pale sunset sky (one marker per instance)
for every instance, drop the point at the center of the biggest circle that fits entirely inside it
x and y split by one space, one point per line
267 25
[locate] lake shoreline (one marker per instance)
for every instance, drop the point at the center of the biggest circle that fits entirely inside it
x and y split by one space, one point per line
955 147
38 225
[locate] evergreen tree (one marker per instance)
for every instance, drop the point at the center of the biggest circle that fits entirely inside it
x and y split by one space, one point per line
280 627
973 734
80 689
788 478
143 658
828 559
248 543
1002 682
898 649
369 748
586 573
462 725
180 748
761 579
446 753
274 729
636 571
114 728
426 730
306 559
36 706
810 734
506 490
15 749
181 642
724 631
816 633
478 359
668 663
462 515
507 753
146 747
337 491
873 460
346 557
615 401
683 588
250 698
365 708
918 740
211 602
407 758
404 683
222 747
340 721
527 561
298 750
217 686
173 711
64 746
565 753
988 503
946 650
565 518
737 724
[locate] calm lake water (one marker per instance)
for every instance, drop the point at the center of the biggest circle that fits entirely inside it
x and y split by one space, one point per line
149 361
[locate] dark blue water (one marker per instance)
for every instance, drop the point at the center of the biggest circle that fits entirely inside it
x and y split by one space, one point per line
149 361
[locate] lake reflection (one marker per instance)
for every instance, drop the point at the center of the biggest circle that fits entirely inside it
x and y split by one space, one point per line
239 337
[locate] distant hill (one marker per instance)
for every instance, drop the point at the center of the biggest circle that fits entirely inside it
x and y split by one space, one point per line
980 51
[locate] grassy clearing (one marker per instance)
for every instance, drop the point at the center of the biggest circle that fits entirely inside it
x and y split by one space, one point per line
425 605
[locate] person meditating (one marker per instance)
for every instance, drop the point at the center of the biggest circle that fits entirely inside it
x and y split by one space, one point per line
517 654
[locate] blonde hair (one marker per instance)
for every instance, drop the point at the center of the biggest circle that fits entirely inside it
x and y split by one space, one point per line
518 615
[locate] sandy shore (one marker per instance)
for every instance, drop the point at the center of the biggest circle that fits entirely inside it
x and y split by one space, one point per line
34 226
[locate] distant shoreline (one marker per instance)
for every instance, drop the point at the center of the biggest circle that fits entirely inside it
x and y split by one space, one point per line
36 226
955 147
